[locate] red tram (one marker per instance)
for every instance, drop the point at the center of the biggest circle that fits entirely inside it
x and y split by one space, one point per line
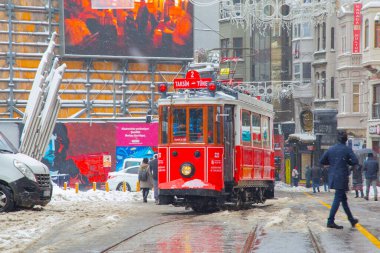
215 148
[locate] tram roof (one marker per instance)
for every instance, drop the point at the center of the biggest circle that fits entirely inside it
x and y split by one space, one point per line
221 97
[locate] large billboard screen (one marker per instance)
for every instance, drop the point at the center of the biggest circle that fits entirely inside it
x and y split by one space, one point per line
134 28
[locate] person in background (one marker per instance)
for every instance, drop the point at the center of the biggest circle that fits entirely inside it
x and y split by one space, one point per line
316 178
308 176
339 157
325 178
357 180
153 166
371 168
295 175
146 183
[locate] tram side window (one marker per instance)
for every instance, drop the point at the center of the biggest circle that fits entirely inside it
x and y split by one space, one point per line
266 132
219 126
256 130
179 125
164 125
246 128
196 125
210 124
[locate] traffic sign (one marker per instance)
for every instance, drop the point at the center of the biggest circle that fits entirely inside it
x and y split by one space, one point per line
192 81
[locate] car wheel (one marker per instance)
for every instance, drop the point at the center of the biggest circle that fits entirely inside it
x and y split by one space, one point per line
120 187
6 199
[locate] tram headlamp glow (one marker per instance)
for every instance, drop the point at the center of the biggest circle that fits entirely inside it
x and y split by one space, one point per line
187 170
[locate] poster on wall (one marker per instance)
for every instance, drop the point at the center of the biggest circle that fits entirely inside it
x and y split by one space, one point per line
77 153
128 28
135 141
86 152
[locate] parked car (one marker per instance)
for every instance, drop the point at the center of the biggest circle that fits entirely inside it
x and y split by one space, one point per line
129 162
128 175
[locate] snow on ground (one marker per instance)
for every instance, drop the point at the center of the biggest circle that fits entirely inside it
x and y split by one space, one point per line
24 227
281 186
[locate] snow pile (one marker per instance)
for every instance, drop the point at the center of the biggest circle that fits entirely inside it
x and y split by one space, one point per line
281 186
196 183
60 195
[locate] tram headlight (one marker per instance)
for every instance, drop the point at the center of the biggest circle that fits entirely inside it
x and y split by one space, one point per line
187 170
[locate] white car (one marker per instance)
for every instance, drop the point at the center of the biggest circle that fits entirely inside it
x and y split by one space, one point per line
128 175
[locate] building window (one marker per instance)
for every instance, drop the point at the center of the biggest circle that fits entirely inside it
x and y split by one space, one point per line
238 47
224 47
377 34
344 39
376 102
323 77
318 37
332 37
343 98
306 30
297 71
324 36
332 88
306 72
366 34
355 97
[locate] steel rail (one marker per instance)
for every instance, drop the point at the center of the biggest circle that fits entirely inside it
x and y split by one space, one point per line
108 249
250 241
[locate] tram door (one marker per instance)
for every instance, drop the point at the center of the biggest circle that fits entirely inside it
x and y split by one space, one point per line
229 145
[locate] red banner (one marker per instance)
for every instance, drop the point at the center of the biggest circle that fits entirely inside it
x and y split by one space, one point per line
357 28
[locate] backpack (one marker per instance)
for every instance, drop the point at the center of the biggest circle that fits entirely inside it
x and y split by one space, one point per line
143 175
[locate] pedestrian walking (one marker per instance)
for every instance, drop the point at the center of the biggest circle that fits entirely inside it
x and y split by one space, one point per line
371 169
339 157
295 175
357 180
316 175
308 176
153 166
145 179
325 178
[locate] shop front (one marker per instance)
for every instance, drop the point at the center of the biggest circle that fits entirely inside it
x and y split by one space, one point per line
300 152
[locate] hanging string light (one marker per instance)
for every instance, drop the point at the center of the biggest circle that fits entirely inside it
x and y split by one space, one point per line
275 15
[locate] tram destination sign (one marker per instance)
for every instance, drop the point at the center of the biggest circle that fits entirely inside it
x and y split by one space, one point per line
192 81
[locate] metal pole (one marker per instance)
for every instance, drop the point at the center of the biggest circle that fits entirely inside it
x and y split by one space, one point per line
10 57
88 88
153 66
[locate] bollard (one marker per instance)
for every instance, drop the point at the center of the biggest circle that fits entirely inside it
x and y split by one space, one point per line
138 186
94 186
65 186
107 187
124 186
76 187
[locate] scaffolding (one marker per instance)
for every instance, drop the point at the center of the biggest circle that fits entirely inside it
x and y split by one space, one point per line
92 89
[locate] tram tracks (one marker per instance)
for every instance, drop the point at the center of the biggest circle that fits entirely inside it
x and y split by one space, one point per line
114 246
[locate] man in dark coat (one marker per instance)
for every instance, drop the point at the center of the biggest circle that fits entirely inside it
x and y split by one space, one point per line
371 168
153 165
339 157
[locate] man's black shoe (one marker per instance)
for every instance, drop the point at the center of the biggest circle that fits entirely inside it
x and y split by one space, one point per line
333 225
354 222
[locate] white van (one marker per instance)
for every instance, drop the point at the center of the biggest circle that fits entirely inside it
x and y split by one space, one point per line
24 181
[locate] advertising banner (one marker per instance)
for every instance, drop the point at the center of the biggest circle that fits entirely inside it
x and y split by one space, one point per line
137 134
128 28
357 28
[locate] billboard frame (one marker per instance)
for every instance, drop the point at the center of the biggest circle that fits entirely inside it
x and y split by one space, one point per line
62 49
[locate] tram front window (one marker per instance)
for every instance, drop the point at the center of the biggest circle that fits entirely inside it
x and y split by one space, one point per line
179 125
196 125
